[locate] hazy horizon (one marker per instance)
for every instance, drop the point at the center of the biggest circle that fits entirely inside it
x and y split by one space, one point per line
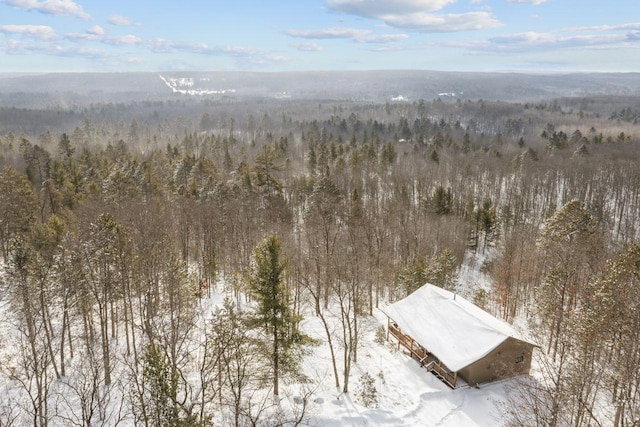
311 71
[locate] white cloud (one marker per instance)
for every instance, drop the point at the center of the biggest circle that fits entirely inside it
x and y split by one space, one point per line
15 47
96 56
84 36
21 47
416 15
96 30
94 35
86 53
329 33
51 7
632 26
120 21
533 2
133 60
633 36
123 40
533 41
98 34
629 26
42 32
377 8
252 55
588 37
307 47
438 23
622 37
355 34
525 38
385 38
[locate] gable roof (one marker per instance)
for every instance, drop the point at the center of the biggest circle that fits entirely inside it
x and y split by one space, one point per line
456 331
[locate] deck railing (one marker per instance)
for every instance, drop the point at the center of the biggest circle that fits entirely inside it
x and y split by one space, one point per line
422 355
448 378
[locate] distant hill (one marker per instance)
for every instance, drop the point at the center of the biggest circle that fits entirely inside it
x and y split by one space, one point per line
82 88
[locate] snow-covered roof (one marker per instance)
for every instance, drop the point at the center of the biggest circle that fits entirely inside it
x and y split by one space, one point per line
456 331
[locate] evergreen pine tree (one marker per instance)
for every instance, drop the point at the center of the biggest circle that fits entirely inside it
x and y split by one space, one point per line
368 394
162 386
442 200
272 313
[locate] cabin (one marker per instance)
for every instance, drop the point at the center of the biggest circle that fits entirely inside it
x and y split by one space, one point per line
454 339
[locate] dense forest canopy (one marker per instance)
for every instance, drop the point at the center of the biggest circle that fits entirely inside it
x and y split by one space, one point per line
117 216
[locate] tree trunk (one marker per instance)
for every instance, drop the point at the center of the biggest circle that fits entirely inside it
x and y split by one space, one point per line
275 360
47 330
332 351
104 331
65 320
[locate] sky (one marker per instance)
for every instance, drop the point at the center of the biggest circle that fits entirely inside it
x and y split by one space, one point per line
302 35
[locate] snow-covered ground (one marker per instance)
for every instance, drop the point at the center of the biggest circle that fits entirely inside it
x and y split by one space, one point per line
471 275
407 394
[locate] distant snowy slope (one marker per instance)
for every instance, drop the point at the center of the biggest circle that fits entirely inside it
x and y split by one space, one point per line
187 86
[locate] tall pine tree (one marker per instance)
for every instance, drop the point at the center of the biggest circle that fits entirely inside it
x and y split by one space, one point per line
273 314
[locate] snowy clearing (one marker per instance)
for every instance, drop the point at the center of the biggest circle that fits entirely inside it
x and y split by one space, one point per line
407 394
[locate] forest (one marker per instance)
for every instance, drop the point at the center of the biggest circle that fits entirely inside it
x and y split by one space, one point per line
119 220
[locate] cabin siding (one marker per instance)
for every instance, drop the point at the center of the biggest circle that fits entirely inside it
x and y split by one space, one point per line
512 357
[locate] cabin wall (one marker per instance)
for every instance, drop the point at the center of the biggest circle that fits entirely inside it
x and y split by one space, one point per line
512 357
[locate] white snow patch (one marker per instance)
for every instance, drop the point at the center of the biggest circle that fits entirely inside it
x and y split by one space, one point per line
471 275
185 86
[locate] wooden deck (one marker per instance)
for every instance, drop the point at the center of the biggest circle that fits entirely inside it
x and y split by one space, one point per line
426 359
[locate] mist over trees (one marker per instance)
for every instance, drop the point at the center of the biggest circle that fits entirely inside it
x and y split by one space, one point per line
118 220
